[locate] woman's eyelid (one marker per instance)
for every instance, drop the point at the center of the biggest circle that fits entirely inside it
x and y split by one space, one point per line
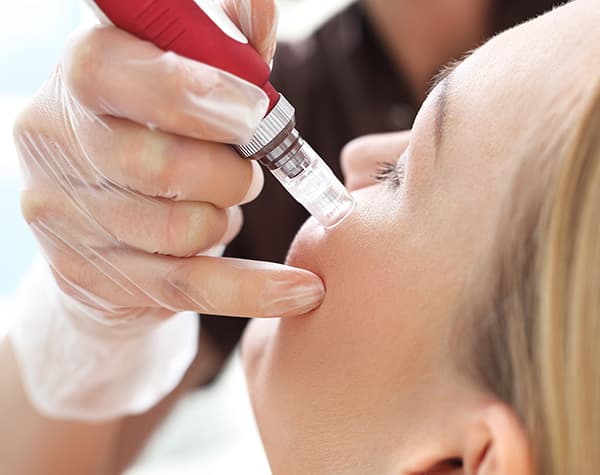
392 173
384 171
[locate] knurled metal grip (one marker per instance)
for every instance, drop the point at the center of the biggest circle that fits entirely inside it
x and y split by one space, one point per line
275 137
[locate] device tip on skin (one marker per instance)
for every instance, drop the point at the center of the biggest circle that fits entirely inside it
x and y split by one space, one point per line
279 147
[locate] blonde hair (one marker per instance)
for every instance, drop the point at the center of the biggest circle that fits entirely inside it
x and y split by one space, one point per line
537 326
568 356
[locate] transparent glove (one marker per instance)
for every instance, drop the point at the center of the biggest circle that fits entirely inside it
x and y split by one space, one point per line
127 186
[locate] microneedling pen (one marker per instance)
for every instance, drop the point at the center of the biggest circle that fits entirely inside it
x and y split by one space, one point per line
200 30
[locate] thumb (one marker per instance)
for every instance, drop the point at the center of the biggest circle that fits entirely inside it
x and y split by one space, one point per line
258 21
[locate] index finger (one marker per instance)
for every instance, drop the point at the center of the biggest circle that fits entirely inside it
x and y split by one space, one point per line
112 72
204 284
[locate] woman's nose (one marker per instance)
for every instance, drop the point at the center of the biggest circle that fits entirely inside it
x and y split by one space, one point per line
360 157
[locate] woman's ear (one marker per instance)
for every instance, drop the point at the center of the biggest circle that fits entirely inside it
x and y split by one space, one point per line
496 443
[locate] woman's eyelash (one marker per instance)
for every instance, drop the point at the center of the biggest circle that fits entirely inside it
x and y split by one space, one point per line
391 173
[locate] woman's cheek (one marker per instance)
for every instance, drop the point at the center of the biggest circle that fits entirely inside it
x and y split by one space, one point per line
256 338
357 264
363 350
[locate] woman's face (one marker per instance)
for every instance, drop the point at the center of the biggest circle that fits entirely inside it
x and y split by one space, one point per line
360 384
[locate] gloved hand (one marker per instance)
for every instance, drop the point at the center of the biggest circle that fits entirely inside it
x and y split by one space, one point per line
127 181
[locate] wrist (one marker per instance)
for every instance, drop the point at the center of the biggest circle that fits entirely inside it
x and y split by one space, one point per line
77 367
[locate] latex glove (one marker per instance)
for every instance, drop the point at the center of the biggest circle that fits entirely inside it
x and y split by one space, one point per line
125 184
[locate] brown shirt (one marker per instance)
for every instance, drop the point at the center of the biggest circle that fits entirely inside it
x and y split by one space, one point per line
343 86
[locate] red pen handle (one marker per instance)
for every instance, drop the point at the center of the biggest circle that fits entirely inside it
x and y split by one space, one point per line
183 27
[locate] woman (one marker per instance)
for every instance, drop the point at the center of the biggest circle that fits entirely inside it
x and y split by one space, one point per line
367 70
459 331
380 379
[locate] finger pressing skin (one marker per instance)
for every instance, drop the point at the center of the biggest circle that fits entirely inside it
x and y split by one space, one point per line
112 72
361 157
127 278
119 279
236 287
156 163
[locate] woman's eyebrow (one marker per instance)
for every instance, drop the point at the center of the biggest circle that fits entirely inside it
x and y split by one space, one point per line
444 73
442 81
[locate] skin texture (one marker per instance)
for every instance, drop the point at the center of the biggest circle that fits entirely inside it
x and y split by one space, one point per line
367 383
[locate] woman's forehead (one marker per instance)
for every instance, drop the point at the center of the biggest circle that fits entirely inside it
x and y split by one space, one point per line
522 77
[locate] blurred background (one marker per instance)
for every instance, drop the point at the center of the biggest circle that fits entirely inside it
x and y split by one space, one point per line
211 432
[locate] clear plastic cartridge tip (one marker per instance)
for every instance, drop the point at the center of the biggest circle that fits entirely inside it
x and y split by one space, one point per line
281 149
312 183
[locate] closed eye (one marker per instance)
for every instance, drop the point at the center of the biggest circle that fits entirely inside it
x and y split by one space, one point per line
391 173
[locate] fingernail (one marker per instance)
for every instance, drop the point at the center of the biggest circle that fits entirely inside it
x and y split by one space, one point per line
293 297
256 185
215 251
235 220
